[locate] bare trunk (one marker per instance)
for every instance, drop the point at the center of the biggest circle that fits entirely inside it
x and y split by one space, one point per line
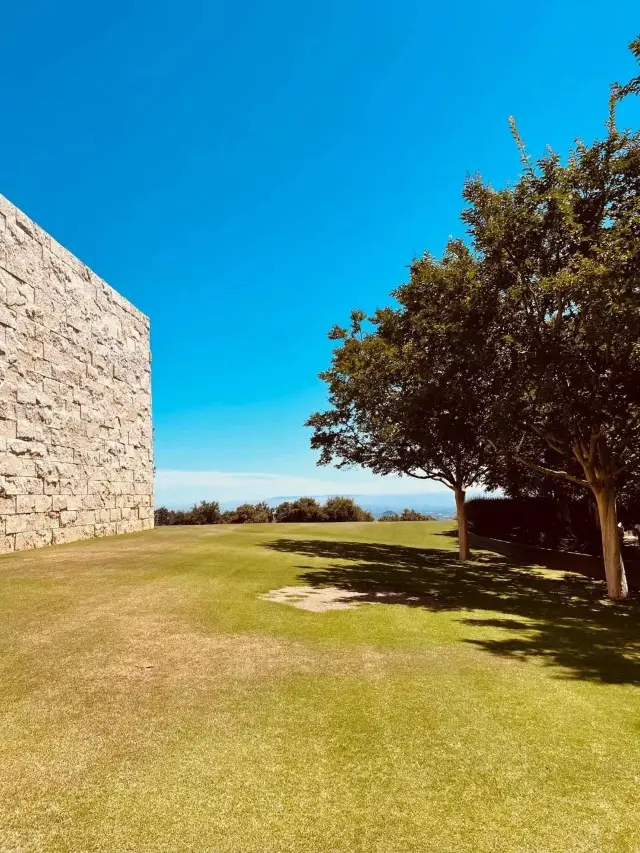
611 550
463 526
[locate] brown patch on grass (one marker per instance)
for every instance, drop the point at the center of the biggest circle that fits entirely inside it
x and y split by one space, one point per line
323 598
136 638
108 681
315 599
168 653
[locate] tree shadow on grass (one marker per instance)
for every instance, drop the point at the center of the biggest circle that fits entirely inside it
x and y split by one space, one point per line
561 618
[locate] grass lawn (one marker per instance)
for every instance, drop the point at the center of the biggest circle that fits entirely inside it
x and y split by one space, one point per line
151 701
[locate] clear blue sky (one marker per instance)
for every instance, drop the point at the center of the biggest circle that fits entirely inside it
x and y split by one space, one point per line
246 173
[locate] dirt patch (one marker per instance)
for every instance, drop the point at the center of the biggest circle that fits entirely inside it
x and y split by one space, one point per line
321 599
316 599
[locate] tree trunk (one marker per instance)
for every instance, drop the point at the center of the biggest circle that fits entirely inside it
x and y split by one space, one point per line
611 550
463 526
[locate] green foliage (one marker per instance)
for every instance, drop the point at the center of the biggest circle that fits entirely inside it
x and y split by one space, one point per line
559 260
403 399
163 516
205 512
344 509
560 256
303 509
408 387
260 513
406 515
308 509
525 342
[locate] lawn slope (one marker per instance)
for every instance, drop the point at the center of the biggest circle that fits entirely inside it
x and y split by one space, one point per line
151 700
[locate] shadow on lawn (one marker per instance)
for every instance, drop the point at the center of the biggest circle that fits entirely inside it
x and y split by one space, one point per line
567 621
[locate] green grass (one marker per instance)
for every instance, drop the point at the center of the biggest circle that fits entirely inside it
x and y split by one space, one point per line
150 700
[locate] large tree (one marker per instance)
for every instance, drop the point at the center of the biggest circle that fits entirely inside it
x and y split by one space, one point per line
560 261
403 398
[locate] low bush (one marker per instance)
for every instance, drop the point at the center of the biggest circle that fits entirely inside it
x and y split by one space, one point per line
406 515
302 509
260 513
205 512
344 509
308 509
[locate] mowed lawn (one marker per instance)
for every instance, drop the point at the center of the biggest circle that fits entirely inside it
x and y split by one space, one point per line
151 700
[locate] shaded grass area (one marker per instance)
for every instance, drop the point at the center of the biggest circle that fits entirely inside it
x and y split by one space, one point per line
567 622
151 701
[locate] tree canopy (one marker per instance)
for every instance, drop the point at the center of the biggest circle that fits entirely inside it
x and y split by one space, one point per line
560 259
521 345
404 398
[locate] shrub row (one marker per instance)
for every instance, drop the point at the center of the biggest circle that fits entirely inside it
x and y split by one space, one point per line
302 509
564 525
406 515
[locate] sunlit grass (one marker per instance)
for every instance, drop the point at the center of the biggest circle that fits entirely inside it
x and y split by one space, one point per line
151 700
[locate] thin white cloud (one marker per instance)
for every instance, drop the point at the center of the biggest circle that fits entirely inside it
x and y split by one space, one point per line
179 488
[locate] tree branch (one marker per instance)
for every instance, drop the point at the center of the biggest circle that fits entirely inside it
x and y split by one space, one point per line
553 443
563 475
593 447
436 478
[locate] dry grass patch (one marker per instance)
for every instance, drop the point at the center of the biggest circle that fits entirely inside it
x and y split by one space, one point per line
314 599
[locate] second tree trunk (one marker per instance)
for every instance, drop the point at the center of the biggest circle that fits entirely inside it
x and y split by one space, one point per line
611 543
463 527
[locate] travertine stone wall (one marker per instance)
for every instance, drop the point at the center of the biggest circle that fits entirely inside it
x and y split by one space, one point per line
76 457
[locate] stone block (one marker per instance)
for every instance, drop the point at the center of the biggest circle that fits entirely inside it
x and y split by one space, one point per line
107 529
86 517
29 521
7 544
16 466
33 503
58 453
8 317
7 506
26 396
129 526
28 449
67 502
72 534
8 429
10 486
7 408
23 255
32 539
27 430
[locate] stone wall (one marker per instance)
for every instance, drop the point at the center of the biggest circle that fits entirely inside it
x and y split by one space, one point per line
76 457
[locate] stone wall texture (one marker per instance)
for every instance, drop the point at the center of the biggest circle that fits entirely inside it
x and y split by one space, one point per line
76 453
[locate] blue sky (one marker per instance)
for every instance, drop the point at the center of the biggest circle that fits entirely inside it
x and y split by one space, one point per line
248 173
